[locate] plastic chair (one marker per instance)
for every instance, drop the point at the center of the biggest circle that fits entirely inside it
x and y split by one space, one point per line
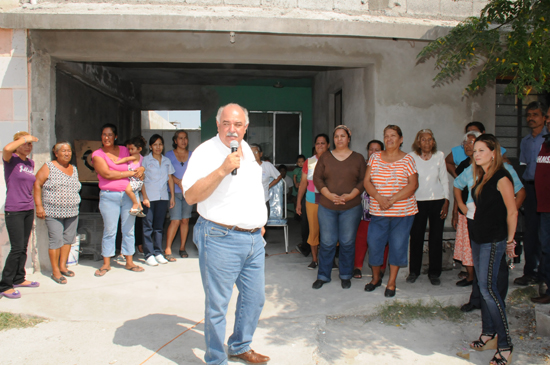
277 209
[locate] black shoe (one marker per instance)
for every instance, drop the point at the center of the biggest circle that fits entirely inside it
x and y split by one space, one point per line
412 278
334 265
312 266
318 284
346 283
543 299
468 307
464 282
357 274
525 280
435 281
389 293
370 286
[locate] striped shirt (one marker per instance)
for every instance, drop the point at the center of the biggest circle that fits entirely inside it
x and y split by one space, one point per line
390 178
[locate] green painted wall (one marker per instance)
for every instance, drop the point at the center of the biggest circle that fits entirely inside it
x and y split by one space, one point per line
266 98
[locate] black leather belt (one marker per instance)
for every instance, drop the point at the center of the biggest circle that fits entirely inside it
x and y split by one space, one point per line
235 228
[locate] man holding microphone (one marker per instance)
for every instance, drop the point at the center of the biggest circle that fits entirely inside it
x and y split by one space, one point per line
228 234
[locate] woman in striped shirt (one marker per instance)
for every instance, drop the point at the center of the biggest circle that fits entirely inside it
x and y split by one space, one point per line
391 180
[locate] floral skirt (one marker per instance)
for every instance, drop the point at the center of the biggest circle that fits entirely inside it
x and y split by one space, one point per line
463 249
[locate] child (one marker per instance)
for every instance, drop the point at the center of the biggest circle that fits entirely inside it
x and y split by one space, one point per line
135 146
297 177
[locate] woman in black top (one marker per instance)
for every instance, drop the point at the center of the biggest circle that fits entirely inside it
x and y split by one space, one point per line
492 235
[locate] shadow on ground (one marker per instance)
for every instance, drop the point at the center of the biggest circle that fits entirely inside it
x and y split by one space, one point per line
157 330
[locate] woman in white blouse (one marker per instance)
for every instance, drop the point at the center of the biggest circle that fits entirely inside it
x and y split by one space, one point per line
432 197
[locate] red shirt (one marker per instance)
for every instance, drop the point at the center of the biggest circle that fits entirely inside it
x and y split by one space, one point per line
542 179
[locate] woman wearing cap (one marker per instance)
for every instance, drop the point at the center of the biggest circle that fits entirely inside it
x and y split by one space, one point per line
339 178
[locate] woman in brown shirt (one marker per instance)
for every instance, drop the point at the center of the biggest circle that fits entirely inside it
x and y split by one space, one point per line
339 178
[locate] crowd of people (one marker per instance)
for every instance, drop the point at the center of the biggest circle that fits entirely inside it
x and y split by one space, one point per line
349 206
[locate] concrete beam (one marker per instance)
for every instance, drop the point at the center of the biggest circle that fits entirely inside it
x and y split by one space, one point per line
295 22
103 79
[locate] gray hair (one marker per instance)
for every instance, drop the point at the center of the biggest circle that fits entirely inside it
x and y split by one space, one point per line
470 133
221 109
56 147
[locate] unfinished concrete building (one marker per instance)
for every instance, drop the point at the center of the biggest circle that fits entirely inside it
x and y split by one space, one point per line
301 67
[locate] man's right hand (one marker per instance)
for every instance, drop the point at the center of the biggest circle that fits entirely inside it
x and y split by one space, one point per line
232 162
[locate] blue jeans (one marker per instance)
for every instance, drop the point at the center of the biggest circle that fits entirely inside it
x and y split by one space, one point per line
112 205
544 268
228 257
393 230
487 258
153 225
337 226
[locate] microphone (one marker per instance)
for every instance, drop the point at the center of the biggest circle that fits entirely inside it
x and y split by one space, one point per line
234 145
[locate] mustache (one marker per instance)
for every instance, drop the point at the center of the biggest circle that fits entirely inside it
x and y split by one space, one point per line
231 134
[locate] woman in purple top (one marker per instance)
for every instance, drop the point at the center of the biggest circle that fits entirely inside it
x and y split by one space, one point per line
113 201
19 212
181 212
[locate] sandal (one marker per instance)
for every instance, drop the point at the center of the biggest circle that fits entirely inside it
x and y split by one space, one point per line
357 273
183 254
134 211
60 280
489 344
68 273
135 268
100 272
501 360
170 258
141 214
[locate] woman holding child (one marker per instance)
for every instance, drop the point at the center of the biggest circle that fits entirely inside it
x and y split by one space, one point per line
113 201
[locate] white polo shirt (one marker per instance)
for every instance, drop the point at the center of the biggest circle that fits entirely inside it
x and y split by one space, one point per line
238 200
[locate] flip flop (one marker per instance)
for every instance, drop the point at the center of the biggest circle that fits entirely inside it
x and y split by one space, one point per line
134 211
136 269
170 258
15 295
183 254
141 214
60 280
33 284
68 273
100 272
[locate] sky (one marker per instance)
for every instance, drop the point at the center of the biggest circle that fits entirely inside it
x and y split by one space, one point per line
187 119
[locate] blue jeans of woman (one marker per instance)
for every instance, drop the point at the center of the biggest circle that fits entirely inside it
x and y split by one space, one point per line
112 205
19 226
337 226
228 257
153 225
487 258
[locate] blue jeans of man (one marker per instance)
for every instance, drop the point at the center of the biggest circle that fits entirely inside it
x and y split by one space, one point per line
531 242
228 257
487 257
112 205
544 268
337 226
153 225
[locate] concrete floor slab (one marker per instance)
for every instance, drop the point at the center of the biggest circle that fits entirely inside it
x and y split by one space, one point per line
155 317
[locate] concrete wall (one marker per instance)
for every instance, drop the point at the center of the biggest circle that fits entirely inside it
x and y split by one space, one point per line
393 89
82 110
14 110
433 8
